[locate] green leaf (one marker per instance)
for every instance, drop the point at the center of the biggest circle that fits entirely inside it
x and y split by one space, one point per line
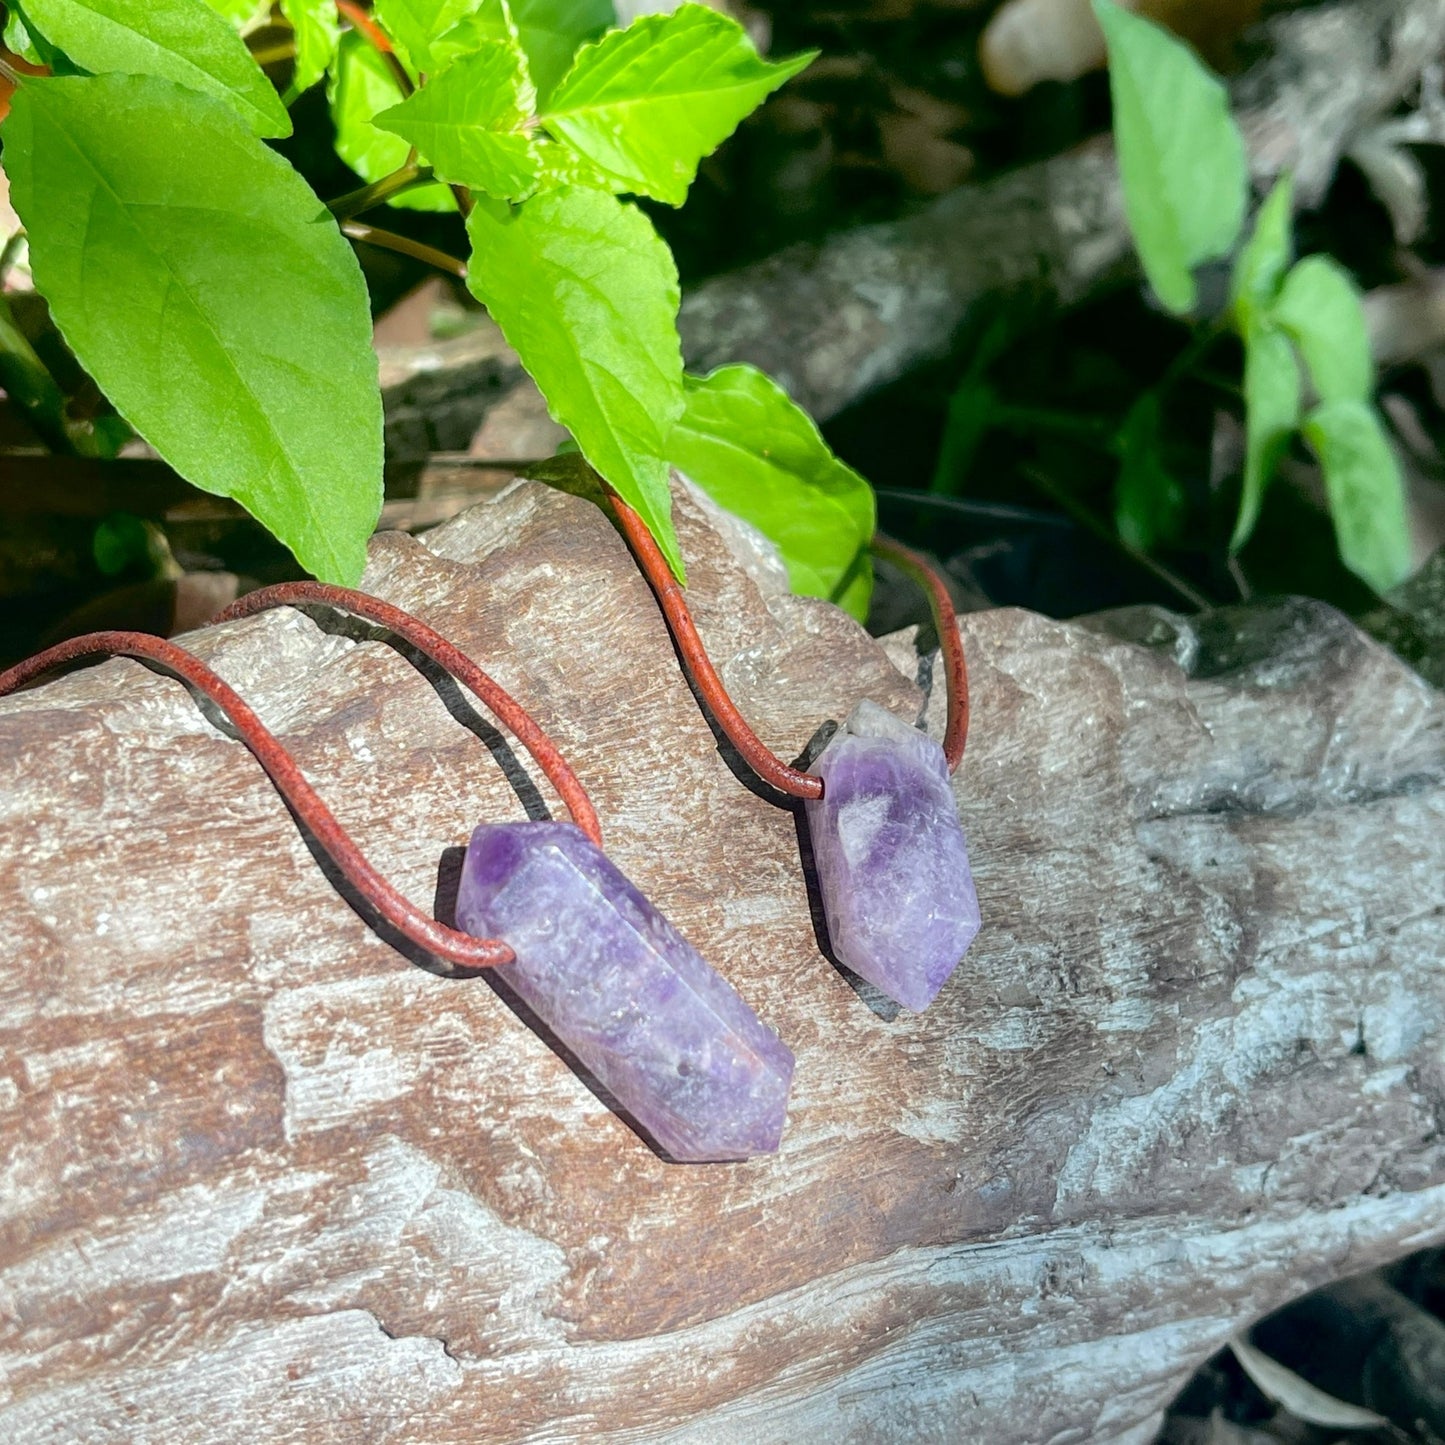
313 23
971 412
1319 305
754 451
467 122
586 293
549 31
1148 499
559 165
205 288
180 40
359 86
1260 266
1271 414
28 384
1365 490
25 39
646 104
16 38
123 542
1181 156
552 30
421 29
243 16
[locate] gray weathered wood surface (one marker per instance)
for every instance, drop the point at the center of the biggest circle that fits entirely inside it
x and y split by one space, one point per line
263 1178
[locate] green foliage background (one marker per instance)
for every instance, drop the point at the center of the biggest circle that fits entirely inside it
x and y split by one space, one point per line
213 298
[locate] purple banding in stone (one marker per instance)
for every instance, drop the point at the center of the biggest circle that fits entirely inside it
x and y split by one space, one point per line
892 862
619 986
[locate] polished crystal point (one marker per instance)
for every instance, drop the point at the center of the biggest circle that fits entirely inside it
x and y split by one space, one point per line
892 863
619 986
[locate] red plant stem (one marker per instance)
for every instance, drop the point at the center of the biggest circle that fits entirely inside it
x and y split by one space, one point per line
945 623
376 38
508 711
763 761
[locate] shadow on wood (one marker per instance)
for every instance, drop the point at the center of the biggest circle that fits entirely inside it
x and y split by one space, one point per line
264 1178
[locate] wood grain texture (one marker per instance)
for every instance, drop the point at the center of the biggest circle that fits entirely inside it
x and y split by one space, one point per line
263 1177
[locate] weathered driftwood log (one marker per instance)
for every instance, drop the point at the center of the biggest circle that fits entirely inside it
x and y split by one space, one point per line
836 320
264 1178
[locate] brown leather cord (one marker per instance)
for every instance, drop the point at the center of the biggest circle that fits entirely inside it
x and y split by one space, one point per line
763 761
448 944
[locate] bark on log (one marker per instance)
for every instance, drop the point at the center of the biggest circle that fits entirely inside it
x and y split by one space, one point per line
835 320
263 1178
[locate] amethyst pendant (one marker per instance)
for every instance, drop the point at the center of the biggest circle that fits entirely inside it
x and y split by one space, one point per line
892 863
626 992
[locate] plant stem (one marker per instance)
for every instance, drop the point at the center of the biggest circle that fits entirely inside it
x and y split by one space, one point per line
274 54
1228 386
390 241
353 203
1078 425
966 507
1086 519
1199 343
1236 572
376 37
516 465
30 385
8 252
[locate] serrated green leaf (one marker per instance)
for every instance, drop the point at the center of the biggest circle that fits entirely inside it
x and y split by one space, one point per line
552 30
1271 415
1319 305
358 86
204 287
559 165
1262 261
646 104
1148 499
1365 491
317 34
243 16
586 293
420 29
754 451
467 122
180 40
549 31
1181 156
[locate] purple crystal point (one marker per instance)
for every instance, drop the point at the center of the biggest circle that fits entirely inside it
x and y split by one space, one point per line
892 862
617 983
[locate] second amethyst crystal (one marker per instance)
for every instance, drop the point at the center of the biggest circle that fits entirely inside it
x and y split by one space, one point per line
892 862
621 988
